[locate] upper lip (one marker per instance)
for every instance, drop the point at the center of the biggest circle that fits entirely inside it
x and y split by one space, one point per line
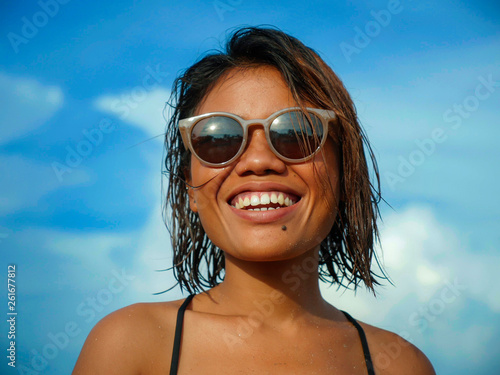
262 186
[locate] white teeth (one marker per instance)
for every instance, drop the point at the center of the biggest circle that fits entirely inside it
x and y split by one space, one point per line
264 199
262 209
255 201
281 199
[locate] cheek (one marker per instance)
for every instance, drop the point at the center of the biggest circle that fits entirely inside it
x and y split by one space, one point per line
328 179
206 182
195 171
333 179
198 174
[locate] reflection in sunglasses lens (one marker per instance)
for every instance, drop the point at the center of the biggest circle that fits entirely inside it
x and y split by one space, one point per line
294 136
217 139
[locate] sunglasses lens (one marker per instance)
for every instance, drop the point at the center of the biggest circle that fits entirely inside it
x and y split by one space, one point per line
295 136
217 139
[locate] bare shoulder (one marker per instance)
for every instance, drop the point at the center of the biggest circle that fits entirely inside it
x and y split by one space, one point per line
125 341
392 354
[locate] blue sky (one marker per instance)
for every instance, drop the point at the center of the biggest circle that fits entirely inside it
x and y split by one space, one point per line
81 218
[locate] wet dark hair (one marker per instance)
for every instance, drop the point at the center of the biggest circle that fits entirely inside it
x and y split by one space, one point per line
346 254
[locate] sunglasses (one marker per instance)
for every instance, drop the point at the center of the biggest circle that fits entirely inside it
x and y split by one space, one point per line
219 138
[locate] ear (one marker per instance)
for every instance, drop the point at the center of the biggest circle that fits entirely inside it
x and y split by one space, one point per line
192 200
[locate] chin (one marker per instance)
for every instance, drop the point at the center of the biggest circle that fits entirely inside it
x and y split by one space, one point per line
262 256
259 251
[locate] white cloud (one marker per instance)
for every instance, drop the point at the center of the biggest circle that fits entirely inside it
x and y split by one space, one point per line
155 247
427 276
423 257
156 254
139 107
25 181
92 256
438 278
92 252
26 105
88 254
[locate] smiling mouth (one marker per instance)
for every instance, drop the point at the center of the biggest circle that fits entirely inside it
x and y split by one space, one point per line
263 201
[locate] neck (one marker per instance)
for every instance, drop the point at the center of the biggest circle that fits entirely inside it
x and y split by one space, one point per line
285 291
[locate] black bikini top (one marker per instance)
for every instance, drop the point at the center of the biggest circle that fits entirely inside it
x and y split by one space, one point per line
178 333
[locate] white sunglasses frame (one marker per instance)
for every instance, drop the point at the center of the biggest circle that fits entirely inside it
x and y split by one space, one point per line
186 125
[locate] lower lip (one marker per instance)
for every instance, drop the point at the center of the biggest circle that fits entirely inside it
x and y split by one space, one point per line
268 216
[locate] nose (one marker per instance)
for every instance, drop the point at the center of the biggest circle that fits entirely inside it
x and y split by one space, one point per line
258 158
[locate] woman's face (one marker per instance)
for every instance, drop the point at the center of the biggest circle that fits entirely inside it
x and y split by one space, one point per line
257 93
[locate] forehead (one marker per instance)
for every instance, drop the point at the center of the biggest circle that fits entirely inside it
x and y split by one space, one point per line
250 93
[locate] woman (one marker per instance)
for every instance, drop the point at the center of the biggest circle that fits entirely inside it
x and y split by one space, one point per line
268 193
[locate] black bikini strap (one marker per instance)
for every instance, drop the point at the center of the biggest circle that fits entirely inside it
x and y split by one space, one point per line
178 334
364 343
